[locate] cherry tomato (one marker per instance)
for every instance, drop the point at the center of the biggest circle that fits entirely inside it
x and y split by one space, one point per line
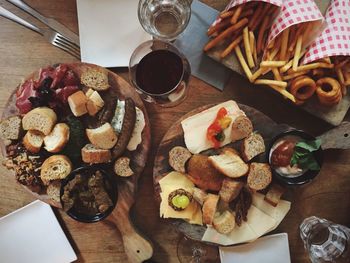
282 154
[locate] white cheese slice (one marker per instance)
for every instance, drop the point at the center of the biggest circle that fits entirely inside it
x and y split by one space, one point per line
176 179
195 127
197 218
259 222
136 138
238 235
278 212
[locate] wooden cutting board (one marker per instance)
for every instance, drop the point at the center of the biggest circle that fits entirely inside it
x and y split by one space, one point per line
175 137
333 115
136 247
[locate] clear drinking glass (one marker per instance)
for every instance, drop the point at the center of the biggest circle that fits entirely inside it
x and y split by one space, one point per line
163 95
164 19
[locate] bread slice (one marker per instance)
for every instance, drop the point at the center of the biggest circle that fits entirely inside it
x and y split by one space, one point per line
230 189
229 163
242 127
209 208
40 119
33 140
252 146
274 194
224 223
56 167
122 167
178 156
259 176
199 195
96 79
53 190
11 128
77 103
103 137
93 154
57 139
94 103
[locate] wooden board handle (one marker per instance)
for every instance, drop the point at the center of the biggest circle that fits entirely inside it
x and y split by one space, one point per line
337 138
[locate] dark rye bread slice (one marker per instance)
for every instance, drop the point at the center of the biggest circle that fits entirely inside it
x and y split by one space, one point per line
252 146
122 167
11 128
259 176
178 156
242 127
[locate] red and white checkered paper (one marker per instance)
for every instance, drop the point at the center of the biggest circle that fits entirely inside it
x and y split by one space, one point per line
335 39
295 12
234 3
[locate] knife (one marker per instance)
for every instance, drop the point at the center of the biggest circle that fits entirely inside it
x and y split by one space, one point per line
50 22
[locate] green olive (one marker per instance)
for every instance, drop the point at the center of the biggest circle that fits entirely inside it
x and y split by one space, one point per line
181 201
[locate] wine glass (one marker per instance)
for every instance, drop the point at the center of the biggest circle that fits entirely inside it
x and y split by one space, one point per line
164 19
191 251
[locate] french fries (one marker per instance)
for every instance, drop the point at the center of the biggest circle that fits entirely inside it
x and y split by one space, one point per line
245 28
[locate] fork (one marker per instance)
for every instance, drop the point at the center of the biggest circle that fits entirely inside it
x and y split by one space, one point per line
51 36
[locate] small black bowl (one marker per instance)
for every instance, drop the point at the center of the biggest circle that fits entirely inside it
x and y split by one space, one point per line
306 177
112 192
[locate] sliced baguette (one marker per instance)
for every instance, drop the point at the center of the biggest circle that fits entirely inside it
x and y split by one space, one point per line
57 139
122 167
95 78
209 208
242 127
56 167
252 146
274 194
259 176
224 223
103 137
40 119
229 163
199 195
178 156
11 128
230 189
92 154
33 140
53 190
77 103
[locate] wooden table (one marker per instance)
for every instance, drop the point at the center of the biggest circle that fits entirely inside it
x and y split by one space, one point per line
23 51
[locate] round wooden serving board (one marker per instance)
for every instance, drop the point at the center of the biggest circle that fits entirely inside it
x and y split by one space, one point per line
136 247
175 137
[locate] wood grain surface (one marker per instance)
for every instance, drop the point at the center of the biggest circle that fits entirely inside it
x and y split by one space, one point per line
23 51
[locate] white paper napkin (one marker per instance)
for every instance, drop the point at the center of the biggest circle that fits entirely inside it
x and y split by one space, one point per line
33 234
109 31
268 249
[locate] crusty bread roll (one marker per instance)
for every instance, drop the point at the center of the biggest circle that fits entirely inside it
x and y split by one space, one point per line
224 223
242 127
33 140
77 103
103 137
57 139
209 208
92 154
259 176
55 167
94 103
229 163
178 156
122 167
40 119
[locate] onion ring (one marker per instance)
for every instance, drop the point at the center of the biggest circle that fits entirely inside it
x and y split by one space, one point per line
303 87
331 97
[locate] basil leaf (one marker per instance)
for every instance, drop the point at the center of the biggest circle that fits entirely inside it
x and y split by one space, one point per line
310 146
309 163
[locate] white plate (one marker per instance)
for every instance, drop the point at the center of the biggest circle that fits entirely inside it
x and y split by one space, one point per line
33 234
267 249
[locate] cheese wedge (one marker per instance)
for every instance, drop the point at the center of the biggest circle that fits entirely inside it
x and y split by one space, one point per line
260 222
136 138
277 213
195 127
177 180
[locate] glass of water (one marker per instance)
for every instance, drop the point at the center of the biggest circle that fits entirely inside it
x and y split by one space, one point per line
164 19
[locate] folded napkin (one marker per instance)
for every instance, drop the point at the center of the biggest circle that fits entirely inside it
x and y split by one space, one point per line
192 41
268 249
109 31
33 234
